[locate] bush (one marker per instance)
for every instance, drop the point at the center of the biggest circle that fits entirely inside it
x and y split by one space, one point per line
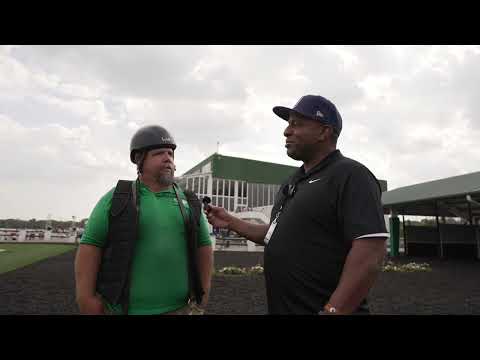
389 267
257 269
410 267
233 270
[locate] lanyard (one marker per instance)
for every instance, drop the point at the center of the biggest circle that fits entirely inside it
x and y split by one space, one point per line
291 189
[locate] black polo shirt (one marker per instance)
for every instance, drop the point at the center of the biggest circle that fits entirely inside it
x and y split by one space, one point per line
321 213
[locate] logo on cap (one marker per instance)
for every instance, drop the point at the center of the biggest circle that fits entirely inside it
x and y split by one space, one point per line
319 113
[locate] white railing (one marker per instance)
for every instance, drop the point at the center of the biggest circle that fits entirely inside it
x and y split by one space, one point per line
37 236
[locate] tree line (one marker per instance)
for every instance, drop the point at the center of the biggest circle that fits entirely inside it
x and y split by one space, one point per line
40 224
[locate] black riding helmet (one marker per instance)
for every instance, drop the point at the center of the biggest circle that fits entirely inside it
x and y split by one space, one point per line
150 137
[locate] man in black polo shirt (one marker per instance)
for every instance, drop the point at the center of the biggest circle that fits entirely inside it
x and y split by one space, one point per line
325 243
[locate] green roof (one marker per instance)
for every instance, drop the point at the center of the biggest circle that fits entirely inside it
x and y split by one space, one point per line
431 190
252 171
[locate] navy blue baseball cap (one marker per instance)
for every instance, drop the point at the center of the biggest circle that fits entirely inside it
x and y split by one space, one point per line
316 108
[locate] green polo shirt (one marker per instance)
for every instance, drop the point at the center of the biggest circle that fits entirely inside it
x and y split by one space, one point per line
159 281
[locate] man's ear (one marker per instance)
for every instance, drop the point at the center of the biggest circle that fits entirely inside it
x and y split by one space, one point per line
324 133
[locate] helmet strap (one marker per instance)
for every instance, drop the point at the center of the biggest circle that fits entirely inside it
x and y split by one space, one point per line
140 160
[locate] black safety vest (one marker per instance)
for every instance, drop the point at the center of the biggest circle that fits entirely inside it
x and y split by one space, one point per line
114 275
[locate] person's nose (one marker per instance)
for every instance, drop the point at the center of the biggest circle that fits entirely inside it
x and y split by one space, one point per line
288 131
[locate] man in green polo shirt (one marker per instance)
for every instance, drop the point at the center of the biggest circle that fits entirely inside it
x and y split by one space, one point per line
159 277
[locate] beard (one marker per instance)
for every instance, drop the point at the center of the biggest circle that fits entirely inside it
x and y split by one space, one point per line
164 179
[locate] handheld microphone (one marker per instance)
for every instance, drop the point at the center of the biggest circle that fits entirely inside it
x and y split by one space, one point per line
206 200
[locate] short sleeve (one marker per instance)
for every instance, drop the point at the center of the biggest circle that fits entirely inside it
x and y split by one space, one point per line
360 207
204 235
96 230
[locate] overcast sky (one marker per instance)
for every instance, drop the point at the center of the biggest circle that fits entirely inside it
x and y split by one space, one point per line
67 113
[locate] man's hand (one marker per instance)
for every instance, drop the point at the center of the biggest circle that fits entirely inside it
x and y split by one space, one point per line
87 263
218 217
92 305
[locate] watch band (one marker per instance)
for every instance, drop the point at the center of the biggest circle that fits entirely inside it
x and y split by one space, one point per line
329 308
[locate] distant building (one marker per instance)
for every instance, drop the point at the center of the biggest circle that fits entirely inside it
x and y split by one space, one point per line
238 184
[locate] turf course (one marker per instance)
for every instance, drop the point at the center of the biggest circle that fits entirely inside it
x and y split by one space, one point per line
14 256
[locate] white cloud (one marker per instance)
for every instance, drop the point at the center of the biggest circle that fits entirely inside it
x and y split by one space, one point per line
67 113
348 58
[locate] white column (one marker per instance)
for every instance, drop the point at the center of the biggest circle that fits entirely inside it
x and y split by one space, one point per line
47 235
209 186
235 201
21 235
223 194
210 195
386 218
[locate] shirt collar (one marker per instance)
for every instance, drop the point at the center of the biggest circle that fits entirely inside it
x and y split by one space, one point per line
329 159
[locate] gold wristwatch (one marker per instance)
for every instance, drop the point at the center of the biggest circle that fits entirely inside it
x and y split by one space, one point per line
329 308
